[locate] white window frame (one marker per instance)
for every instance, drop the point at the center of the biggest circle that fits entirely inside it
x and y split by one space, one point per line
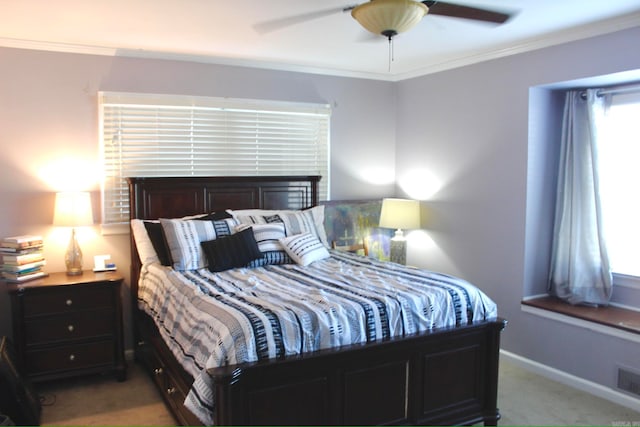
177 135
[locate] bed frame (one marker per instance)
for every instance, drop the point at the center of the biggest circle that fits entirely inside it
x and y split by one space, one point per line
445 377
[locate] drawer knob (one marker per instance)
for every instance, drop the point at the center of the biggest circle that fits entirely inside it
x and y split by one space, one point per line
171 390
70 328
69 302
158 371
72 357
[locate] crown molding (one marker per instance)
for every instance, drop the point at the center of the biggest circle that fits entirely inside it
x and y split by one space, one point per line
559 37
184 57
57 47
534 43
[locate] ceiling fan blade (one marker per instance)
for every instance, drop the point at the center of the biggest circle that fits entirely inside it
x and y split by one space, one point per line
465 12
277 24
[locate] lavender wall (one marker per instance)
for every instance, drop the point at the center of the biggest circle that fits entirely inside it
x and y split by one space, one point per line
49 124
486 132
468 129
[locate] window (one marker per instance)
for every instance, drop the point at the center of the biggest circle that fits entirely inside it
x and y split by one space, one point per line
619 151
169 135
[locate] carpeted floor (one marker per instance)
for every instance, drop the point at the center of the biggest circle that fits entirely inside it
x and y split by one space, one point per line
524 399
101 400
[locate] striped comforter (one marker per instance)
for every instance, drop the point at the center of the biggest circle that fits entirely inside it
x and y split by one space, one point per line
241 315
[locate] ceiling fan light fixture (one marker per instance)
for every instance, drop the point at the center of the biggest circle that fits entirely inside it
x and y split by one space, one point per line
389 17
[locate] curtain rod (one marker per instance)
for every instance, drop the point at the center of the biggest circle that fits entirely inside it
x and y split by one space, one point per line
614 90
617 90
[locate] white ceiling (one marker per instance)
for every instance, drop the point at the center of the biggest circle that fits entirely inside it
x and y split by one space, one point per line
228 32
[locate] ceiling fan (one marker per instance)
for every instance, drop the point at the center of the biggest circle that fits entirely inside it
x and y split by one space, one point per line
391 17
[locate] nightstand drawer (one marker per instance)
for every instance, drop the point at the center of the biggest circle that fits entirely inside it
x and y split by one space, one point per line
71 357
71 326
66 299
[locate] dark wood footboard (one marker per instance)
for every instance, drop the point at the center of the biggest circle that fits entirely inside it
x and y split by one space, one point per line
446 377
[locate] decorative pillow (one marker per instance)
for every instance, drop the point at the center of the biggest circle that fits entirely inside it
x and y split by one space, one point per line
304 248
215 216
267 235
252 212
184 237
306 221
271 258
233 251
295 222
146 252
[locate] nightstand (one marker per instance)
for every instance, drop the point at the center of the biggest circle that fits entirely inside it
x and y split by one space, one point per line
69 325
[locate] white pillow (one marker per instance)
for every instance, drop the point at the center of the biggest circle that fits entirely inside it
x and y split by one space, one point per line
304 248
146 252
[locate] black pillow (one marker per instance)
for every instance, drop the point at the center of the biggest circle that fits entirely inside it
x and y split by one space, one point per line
232 251
215 216
156 235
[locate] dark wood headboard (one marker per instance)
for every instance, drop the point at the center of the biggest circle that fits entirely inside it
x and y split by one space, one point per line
175 197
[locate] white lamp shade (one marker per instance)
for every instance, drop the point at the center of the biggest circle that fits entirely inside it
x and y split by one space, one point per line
73 209
395 16
400 214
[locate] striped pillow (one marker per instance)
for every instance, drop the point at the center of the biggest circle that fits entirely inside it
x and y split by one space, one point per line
304 248
271 258
184 238
267 235
295 221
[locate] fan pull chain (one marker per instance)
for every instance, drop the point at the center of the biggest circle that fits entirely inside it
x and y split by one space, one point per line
391 59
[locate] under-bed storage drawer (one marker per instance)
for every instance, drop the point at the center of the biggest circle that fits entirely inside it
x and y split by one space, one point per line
174 388
176 393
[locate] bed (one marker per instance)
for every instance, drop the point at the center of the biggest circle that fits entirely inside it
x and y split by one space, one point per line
434 374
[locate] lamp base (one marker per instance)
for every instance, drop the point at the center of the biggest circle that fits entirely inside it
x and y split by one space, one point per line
73 257
398 252
74 272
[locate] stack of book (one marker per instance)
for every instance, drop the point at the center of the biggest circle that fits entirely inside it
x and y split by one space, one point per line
22 258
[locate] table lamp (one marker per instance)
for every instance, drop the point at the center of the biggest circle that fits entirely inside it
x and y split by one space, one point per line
399 214
73 209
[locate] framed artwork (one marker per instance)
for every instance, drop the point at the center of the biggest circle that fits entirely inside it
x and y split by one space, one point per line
352 221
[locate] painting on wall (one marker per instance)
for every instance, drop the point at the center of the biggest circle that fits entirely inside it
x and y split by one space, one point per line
349 222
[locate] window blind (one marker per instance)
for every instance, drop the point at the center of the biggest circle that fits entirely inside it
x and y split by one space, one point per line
169 135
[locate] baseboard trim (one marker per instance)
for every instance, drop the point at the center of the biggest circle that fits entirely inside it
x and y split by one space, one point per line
570 380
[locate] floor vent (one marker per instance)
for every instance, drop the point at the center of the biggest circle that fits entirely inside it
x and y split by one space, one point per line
629 381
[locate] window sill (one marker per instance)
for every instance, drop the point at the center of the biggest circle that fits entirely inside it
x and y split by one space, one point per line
616 321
